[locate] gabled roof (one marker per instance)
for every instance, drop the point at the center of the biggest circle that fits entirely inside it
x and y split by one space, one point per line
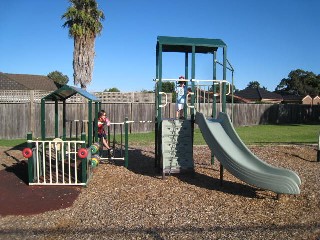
307 97
10 81
66 92
258 94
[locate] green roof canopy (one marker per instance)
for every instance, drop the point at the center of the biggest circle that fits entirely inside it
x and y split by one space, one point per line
183 44
62 94
68 91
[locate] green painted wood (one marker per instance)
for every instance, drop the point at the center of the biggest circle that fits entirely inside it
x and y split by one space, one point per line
177 146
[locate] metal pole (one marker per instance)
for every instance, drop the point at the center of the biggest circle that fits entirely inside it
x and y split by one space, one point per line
90 123
186 64
121 142
95 126
56 119
114 138
156 92
30 160
126 155
214 77
159 113
318 152
84 160
223 97
232 89
70 124
64 129
193 74
224 78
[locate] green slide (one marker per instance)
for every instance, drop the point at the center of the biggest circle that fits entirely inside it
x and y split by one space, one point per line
233 154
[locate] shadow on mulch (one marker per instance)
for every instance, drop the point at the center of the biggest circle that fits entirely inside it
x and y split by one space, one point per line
208 182
141 162
18 198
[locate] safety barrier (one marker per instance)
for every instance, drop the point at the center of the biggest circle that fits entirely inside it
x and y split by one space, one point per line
205 93
58 162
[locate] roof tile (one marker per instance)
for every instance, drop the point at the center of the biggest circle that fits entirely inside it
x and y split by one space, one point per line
10 81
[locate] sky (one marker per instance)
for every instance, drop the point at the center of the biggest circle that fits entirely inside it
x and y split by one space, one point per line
265 39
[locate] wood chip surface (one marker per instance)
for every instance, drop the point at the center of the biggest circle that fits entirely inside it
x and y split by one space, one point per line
136 203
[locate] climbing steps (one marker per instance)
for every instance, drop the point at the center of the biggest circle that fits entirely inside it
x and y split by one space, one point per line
177 151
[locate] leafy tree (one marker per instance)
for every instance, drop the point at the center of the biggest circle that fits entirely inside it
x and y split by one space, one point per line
58 78
114 89
255 84
300 82
147 91
83 18
169 87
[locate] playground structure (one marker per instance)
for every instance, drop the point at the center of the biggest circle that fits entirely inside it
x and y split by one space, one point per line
63 161
174 153
174 137
58 161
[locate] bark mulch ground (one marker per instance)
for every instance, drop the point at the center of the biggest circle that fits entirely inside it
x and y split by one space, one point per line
136 203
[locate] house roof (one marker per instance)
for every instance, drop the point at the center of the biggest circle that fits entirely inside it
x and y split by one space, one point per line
10 81
258 94
307 96
288 97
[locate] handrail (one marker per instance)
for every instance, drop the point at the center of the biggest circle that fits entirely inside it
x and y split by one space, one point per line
163 105
171 80
189 106
214 81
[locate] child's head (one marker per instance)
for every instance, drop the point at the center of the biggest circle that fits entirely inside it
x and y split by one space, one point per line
102 114
181 82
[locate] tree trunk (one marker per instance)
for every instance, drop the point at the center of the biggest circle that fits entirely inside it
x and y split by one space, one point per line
83 60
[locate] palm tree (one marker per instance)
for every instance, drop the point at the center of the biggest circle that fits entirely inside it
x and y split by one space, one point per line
83 18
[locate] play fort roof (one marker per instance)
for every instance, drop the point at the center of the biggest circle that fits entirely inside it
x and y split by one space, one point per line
183 44
66 92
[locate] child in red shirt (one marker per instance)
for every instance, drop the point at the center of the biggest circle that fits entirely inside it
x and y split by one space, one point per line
102 121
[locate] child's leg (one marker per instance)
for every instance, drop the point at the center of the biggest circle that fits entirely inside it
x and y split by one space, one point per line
178 110
105 143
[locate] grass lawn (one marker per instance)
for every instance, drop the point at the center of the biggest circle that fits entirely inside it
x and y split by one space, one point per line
279 134
260 134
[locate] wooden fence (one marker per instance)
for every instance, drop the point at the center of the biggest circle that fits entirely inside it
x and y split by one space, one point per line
25 96
17 119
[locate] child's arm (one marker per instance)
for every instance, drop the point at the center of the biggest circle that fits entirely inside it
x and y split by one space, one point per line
107 121
100 122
